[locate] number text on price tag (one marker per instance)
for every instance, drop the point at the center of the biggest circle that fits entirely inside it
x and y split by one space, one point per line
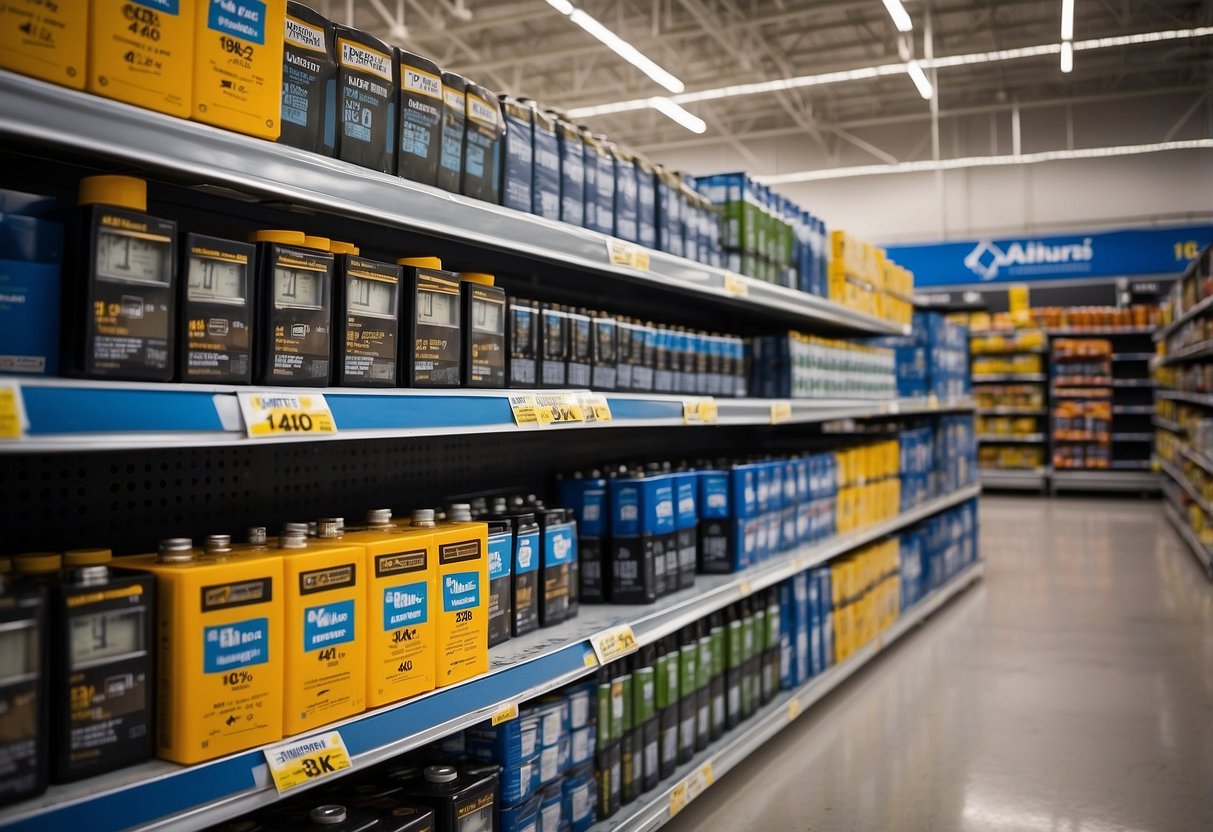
614 643
286 414
306 760
507 713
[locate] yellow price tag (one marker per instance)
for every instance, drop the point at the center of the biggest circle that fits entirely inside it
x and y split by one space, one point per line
561 408
614 643
780 412
525 412
793 708
640 259
307 760
690 411
12 412
594 408
735 284
507 713
590 659
620 253
933 401
698 781
286 414
678 799
745 587
708 412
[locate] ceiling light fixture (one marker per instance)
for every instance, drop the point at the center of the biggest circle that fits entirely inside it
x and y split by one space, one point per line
678 113
1067 19
930 165
862 73
901 19
618 45
1067 56
920 80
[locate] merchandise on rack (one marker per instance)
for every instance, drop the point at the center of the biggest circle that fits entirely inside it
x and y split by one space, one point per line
933 360
800 366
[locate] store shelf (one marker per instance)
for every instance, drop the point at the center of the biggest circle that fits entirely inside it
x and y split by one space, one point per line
1132 330
160 796
1203 460
1103 480
1133 382
1003 378
1002 439
68 415
1133 437
1205 399
1011 411
1132 356
196 154
1177 475
653 810
1198 309
1174 513
1194 352
1081 437
1019 351
1018 480
1167 424
1135 409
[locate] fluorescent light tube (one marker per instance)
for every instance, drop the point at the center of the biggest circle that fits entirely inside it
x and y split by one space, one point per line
983 161
1067 19
676 112
901 19
1067 56
619 46
920 80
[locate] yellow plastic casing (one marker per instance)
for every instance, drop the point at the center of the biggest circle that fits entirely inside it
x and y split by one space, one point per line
238 49
324 601
463 617
219 656
46 39
142 52
401 629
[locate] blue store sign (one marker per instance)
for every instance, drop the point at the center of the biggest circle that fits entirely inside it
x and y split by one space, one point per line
1153 251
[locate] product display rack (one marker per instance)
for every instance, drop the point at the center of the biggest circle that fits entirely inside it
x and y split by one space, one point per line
43 115
1033 478
1176 509
654 809
160 795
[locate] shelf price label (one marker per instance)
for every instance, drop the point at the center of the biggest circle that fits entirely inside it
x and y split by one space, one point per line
780 412
12 412
735 284
505 714
794 709
614 643
594 407
695 784
561 408
522 406
307 760
620 253
286 414
699 410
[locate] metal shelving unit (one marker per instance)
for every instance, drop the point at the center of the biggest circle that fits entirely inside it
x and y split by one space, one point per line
159 795
653 810
1012 411
1005 378
1015 479
198 155
1019 439
1166 424
1193 352
1205 399
67 415
1174 513
1103 480
1127 330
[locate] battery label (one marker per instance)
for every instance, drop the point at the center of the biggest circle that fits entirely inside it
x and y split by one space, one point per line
559 546
527 547
244 19
499 556
328 624
405 605
461 590
234 646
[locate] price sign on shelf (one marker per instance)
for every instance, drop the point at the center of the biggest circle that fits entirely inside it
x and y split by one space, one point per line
286 414
12 412
505 714
561 408
307 760
594 407
780 412
695 784
735 284
614 643
620 253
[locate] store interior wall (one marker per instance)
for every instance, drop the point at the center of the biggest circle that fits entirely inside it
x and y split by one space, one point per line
1149 189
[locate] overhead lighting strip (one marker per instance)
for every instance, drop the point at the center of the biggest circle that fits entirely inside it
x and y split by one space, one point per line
931 165
863 73
618 45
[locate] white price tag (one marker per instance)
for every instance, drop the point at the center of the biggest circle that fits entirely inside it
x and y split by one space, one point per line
269 414
307 760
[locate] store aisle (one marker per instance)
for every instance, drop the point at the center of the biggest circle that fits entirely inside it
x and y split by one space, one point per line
1071 690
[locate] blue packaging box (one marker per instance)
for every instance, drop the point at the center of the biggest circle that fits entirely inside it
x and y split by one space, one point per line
551 808
580 797
519 781
572 173
586 496
553 720
518 156
625 196
686 524
508 743
642 532
604 190
545 182
646 203
31 251
501 576
581 745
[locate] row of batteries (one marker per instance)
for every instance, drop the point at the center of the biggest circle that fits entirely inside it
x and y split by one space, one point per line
281 71
297 310
381 613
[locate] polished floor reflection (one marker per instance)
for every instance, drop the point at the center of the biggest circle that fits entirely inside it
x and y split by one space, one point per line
1071 691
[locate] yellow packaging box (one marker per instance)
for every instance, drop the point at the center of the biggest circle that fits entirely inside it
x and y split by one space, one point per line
219 651
142 52
238 49
45 39
324 601
402 609
463 620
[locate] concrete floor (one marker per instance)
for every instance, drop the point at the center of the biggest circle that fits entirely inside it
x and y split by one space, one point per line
1071 690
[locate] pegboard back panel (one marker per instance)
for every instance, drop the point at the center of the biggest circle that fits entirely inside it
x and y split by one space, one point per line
129 500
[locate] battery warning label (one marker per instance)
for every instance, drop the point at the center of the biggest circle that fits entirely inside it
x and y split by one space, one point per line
233 646
405 605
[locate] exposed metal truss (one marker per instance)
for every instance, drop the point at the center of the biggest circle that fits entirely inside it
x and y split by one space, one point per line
526 47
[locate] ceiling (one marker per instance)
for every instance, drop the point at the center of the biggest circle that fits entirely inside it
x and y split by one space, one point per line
527 47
